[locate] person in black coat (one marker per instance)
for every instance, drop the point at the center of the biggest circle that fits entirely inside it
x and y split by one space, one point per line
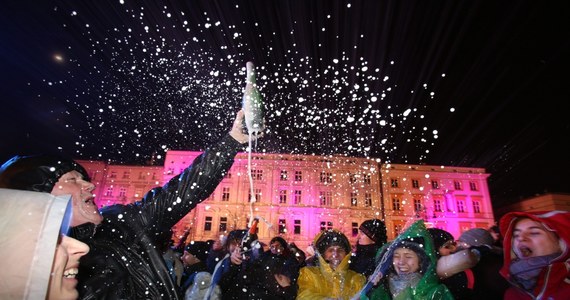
371 237
124 261
274 274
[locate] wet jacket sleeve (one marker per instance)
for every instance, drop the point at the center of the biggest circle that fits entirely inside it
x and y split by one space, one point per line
163 207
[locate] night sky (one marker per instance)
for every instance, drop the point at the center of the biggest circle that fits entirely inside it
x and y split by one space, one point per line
455 83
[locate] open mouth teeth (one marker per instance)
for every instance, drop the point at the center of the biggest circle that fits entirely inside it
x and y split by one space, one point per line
525 251
71 273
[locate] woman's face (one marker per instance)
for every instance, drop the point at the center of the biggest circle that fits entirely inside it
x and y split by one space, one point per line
405 261
530 239
65 267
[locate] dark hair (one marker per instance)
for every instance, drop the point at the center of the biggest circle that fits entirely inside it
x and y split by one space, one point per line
37 173
283 243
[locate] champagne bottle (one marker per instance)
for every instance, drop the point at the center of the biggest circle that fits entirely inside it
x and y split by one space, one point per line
252 103
249 240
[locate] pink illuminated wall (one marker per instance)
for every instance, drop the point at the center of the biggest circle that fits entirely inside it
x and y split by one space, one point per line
299 195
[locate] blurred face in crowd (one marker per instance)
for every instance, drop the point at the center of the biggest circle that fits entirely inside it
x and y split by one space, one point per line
334 255
65 267
276 248
496 236
405 261
218 245
447 248
84 208
363 239
531 238
233 245
189 259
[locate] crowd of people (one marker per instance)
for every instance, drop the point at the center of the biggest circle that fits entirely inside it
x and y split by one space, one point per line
63 247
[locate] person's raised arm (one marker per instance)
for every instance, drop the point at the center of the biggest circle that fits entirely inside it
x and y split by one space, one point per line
164 206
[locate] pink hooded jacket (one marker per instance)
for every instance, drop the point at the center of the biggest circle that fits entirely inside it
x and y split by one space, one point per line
554 280
30 223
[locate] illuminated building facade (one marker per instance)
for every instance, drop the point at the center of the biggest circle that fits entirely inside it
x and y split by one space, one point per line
299 195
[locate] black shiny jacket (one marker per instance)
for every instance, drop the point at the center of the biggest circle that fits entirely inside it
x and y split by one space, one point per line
125 261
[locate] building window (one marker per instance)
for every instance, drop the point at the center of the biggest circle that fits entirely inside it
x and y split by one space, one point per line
460 206
397 229
435 184
326 177
353 199
283 176
352 178
367 199
396 204
473 185
257 195
142 175
298 176
297 228
126 175
109 192
208 224
418 207
326 225
226 194
113 174
283 196
394 183
122 191
457 185
367 179
170 171
354 229
257 174
298 195
153 176
437 205
476 207
325 198
228 175
415 183
282 226
223 224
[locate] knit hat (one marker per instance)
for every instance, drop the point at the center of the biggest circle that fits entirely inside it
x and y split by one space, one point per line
375 229
199 249
440 237
331 237
37 173
477 237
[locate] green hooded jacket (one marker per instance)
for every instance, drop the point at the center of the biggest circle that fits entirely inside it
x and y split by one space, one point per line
429 287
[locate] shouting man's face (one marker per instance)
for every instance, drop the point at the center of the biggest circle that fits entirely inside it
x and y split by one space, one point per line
84 208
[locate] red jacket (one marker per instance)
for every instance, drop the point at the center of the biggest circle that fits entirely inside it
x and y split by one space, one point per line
554 280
